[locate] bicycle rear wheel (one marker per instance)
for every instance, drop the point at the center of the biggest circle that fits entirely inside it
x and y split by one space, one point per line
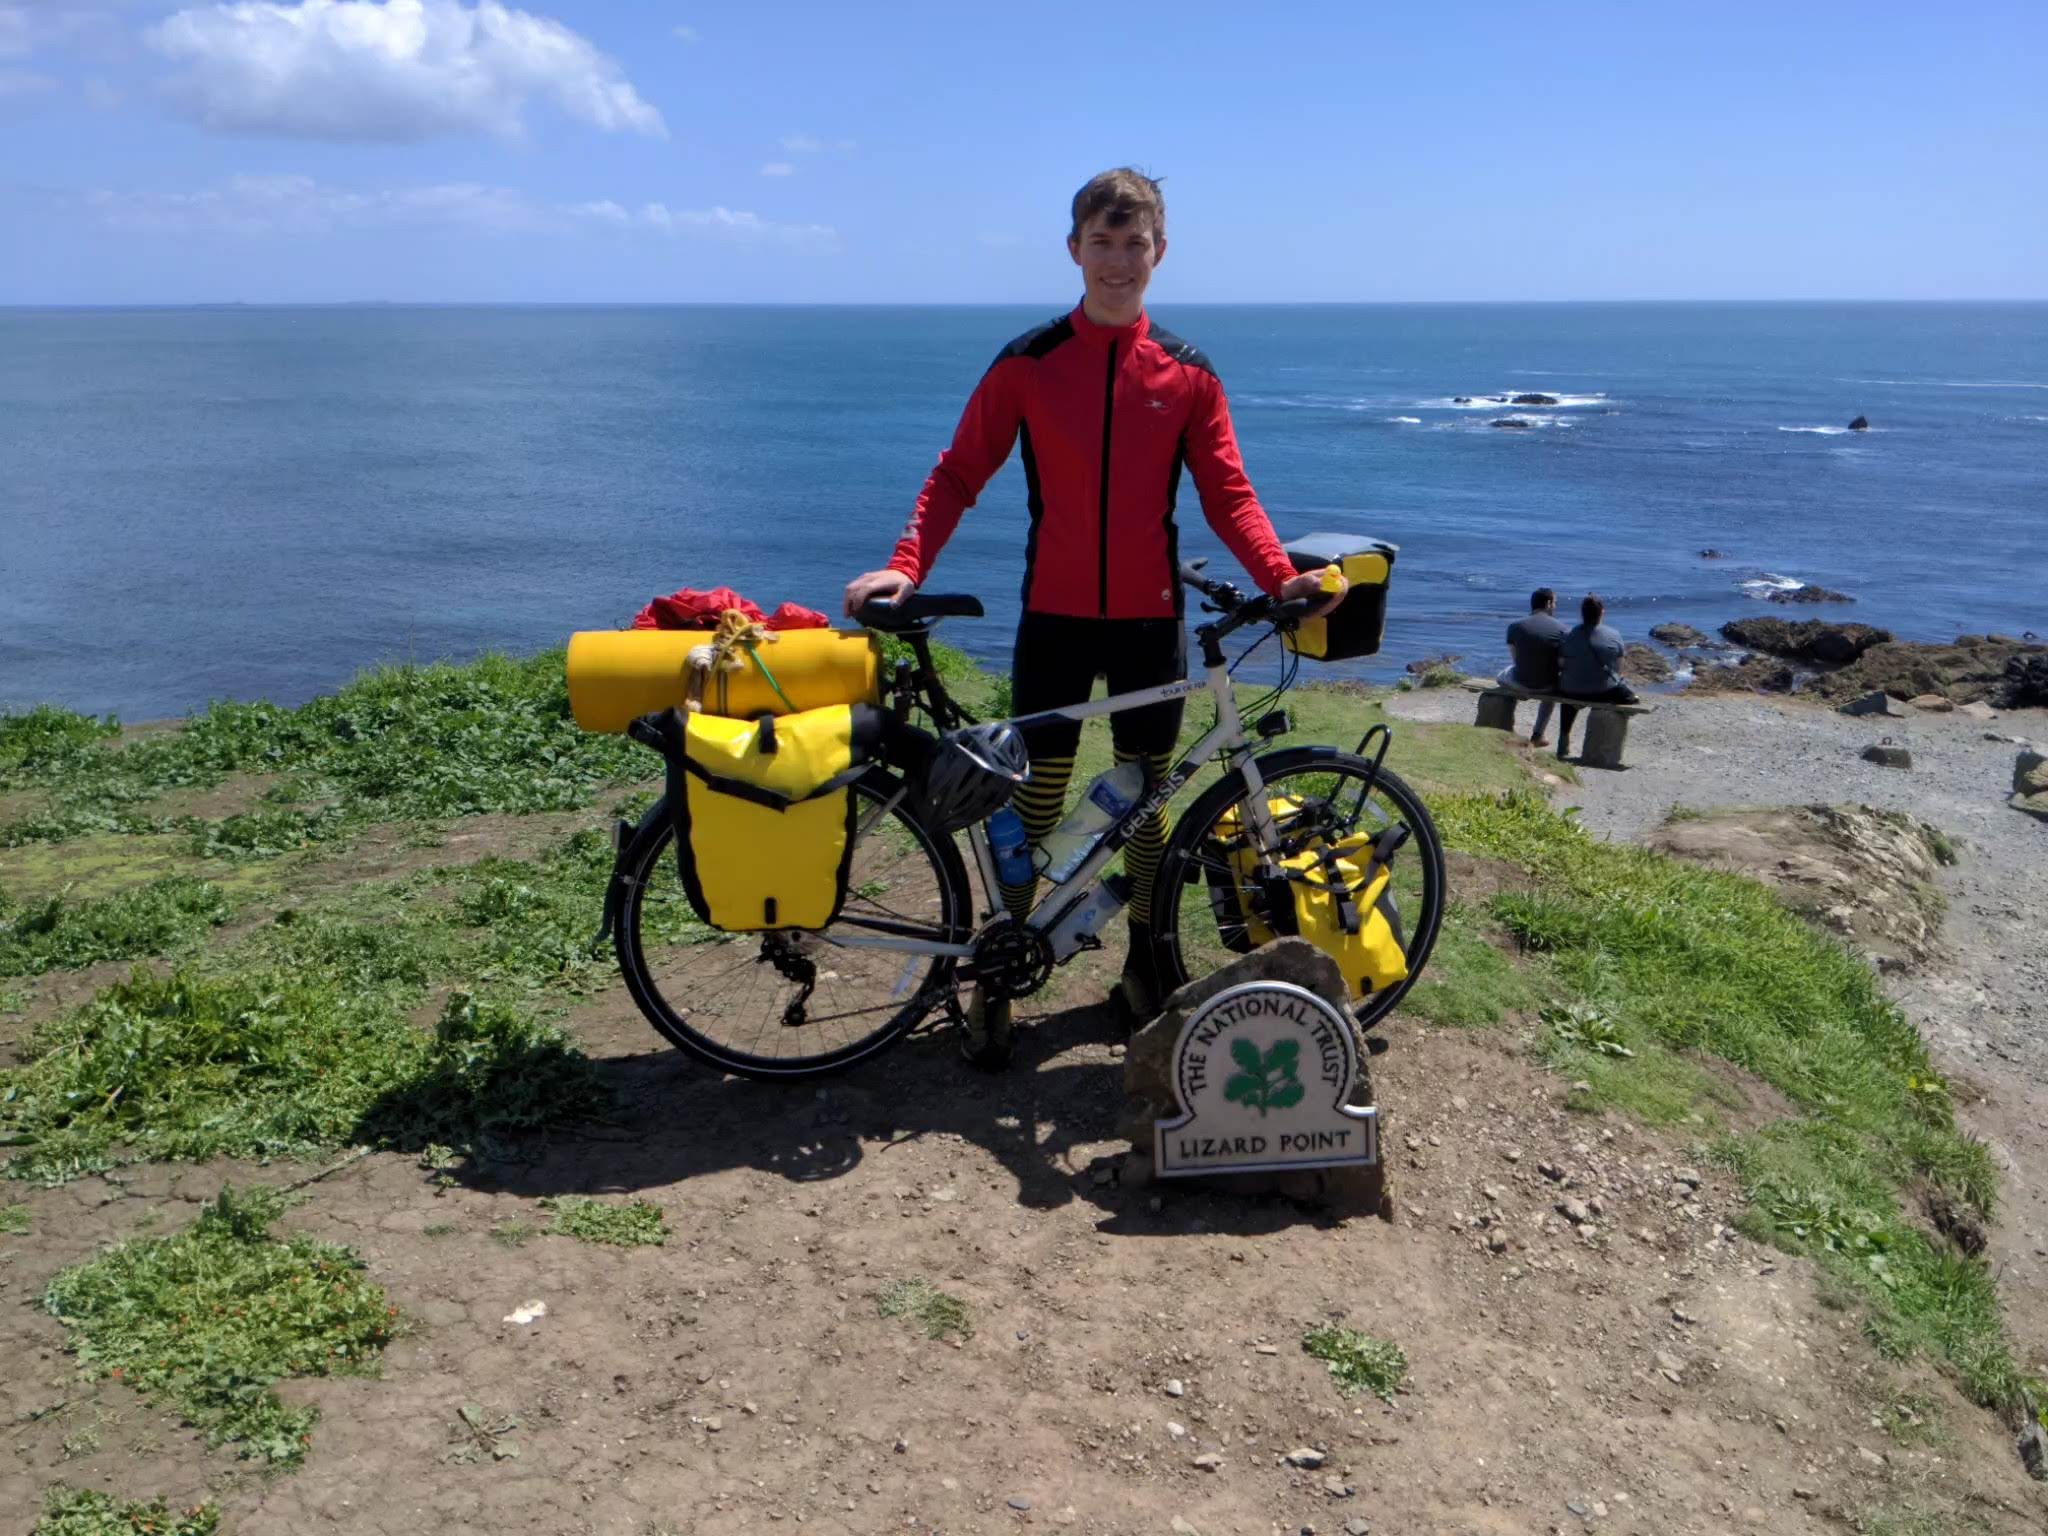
795 1003
1337 791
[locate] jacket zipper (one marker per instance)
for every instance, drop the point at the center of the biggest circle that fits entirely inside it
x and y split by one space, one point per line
1102 551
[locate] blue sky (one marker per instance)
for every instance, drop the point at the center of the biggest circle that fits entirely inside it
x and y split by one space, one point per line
601 150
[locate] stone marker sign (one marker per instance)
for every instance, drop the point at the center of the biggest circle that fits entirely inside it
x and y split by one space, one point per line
1264 1072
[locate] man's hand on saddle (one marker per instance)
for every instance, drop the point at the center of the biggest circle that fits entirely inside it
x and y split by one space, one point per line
888 586
1310 584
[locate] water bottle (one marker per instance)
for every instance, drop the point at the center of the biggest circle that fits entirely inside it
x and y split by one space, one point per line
1011 848
1080 924
1106 803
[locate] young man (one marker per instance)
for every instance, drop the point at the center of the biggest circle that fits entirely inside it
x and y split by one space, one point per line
1533 641
1108 408
1588 660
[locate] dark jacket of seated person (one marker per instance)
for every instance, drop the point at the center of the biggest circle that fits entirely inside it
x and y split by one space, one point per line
1589 659
1533 641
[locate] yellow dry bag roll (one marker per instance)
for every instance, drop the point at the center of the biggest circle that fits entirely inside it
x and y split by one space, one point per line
618 675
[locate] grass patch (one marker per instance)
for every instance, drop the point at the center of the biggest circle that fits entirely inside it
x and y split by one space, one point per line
397 742
210 1318
1468 980
513 1234
623 1224
62 934
14 1220
85 1512
1671 961
1358 1362
278 1063
939 1315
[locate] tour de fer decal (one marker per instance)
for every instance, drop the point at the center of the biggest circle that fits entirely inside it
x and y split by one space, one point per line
1265 1072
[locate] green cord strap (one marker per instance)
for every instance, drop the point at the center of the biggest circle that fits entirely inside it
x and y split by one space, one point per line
755 654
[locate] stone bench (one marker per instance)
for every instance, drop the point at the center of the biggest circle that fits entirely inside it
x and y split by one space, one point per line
1606 724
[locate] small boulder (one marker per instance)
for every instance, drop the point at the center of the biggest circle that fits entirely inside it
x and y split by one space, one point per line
1461 399
1933 703
1886 756
1878 703
1812 592
1679 635
2030 772
1713 554
1977 709
1511 423
1534 400
1860 424
2025 684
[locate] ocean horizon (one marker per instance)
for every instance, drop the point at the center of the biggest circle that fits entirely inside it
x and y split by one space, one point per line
254 500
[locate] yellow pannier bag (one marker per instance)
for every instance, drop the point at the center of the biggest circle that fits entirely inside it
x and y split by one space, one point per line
1339 899
618 675
764 813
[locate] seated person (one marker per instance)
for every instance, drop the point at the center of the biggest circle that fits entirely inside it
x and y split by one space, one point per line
1533 641
1587 662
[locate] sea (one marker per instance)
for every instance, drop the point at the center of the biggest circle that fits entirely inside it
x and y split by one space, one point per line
246 502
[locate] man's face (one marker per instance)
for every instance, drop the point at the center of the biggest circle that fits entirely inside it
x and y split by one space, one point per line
1116 263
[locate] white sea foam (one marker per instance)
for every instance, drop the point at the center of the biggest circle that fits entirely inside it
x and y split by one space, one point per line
1771 581
1406 421
1819 431
1502 398
1954 383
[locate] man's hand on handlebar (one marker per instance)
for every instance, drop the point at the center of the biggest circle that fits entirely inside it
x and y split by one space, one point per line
1309 584
877 586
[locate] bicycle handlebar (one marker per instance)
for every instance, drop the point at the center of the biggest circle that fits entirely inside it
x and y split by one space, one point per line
1239 610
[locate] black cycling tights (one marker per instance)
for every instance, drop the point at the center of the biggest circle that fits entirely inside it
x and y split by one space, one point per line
1056 664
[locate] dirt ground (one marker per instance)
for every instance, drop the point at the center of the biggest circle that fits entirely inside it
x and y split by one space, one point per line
1641 1370
1649 1371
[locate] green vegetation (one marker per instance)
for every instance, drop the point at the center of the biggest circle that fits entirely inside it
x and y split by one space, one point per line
14 1220
280 1062
441 740
1358 1362
84 1512
1468 980
1666 962
210 1318
60 934
623 1224
939 1315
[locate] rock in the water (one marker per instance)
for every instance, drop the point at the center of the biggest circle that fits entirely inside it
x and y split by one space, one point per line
1511 423
1813 640
1641 664
1713 554
1867 874
1873 704
1534 400
1886 755
1860 424
1811 592
1461 399
1679 635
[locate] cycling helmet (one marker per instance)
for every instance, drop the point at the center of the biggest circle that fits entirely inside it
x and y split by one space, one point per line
972 774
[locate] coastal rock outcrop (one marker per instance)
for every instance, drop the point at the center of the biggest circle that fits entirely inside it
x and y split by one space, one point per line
1534 400
1512 423
1864 873
1860 424
1641 664
1815 640
2006 674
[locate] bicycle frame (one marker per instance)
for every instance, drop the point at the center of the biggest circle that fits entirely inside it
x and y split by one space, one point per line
1227 736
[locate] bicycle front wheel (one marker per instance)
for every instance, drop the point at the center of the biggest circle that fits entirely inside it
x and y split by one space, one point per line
1340 795
796 1003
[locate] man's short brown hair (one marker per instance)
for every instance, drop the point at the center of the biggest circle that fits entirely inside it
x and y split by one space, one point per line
1123 194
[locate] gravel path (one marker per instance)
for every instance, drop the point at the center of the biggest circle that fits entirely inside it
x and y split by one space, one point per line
1983 1003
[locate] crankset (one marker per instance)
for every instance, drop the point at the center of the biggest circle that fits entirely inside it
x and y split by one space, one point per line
1009 959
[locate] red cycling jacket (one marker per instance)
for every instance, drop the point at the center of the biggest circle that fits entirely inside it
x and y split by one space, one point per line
1106 417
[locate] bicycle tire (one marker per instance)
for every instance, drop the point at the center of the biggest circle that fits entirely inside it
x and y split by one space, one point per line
1178 872
641 870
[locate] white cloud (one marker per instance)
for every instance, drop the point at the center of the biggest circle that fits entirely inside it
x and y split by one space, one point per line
299 205
778 168
394 71
684 34
804 144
